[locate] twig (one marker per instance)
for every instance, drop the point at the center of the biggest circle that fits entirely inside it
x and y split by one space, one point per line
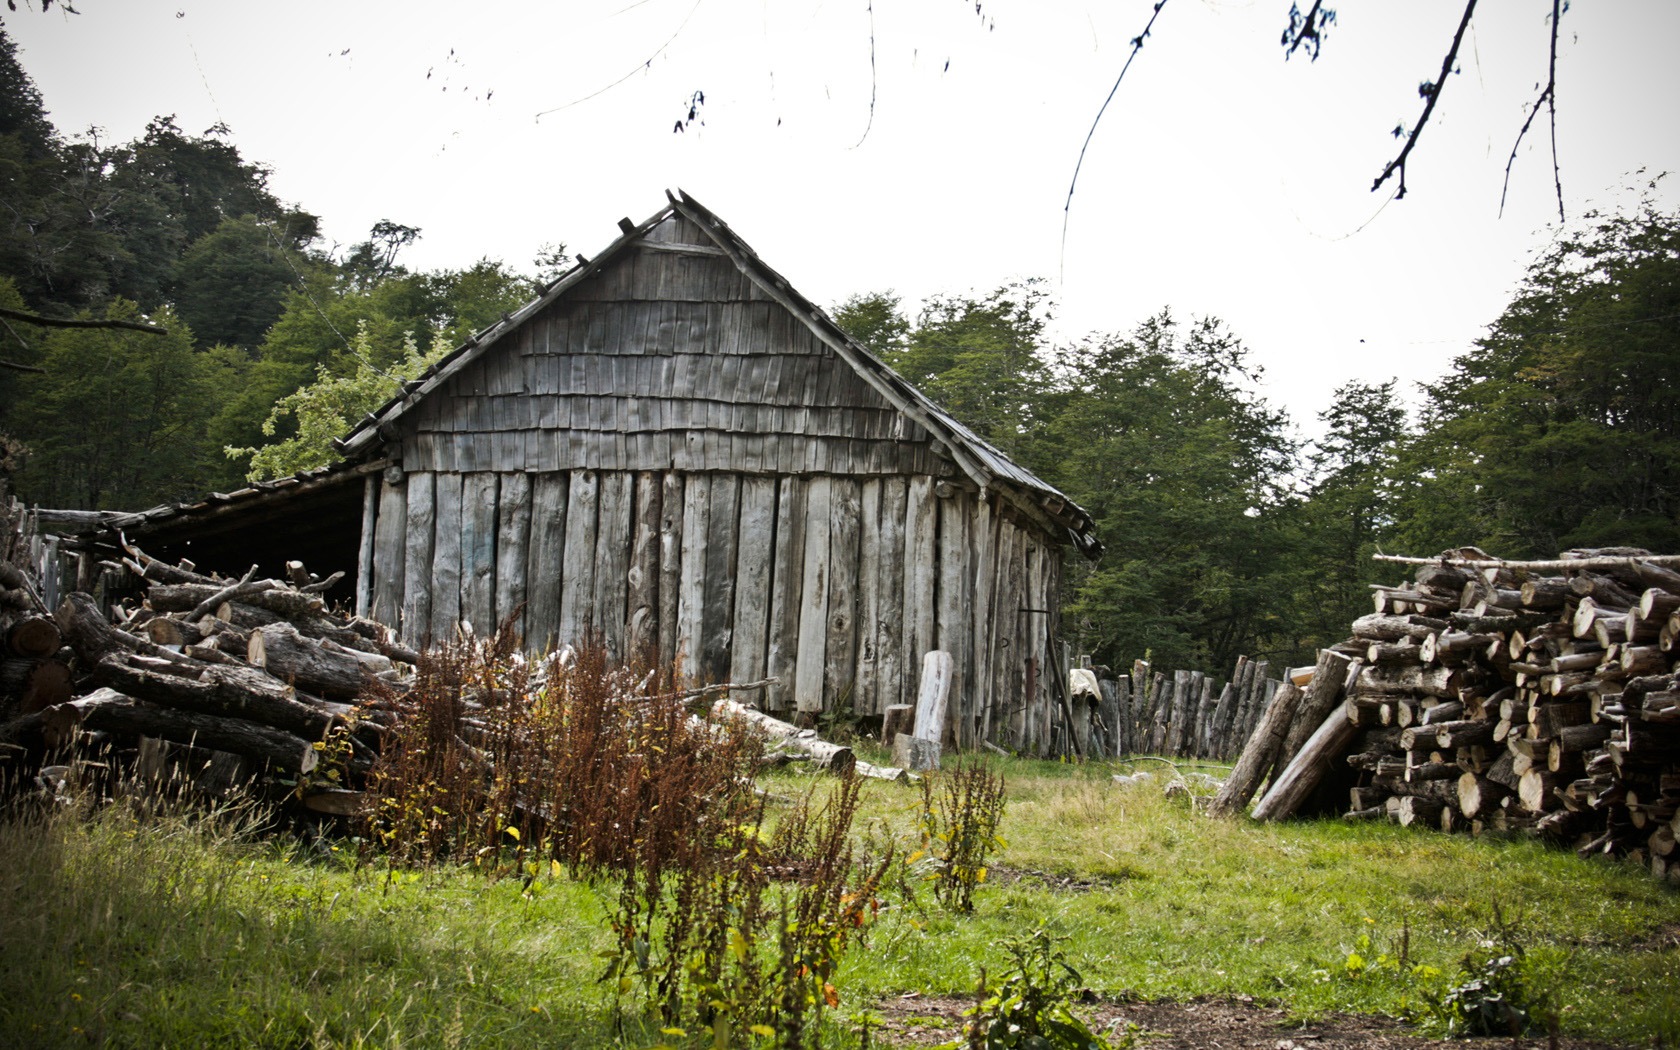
1432 94
1548 98
60 322
1307 30
645 64
1137 45
320 585
721 687
872 77
205 607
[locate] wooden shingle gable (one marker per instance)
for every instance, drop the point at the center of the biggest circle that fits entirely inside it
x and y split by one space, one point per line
678 348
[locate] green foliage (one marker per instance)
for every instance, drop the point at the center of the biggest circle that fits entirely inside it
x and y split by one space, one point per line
957 823
1031 1009
1497 994
327 408
232 282
979 358
1349 511
335 321
115 421
1186 472
1562 428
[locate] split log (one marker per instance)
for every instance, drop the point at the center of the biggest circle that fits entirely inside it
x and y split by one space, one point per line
1259 754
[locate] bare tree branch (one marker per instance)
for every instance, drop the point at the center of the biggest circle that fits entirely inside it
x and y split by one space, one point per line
1137 45
872 79
62 322
1547 98
1431 94
1309 31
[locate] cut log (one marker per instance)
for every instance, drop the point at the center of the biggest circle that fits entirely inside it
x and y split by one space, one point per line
898 718
116 713
1316 757
34 637
229 692
1441 682
287 655
1258 754
836 758
933 698
1322 696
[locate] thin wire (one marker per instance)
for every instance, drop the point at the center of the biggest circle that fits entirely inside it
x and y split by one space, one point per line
303 286
639 67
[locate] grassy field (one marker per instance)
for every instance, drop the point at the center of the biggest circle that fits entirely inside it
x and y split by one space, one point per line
183 933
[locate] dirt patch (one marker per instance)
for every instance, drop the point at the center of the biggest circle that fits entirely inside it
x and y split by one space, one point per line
1202 1024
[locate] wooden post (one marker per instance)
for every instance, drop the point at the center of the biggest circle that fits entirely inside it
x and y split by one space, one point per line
364 559
932 702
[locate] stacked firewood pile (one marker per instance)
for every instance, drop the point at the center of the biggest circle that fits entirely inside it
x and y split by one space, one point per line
214 678
1534 696
34 672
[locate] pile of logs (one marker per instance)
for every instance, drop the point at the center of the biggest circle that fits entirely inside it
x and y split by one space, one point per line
1488 694
217 685
221 678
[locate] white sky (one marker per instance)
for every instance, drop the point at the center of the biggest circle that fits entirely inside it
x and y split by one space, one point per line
1223 180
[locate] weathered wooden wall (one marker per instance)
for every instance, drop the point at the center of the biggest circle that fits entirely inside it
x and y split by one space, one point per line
668 457
835 585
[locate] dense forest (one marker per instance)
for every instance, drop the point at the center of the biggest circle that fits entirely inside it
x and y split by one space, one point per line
1225 532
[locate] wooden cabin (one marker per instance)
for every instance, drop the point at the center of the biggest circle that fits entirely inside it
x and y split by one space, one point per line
674 451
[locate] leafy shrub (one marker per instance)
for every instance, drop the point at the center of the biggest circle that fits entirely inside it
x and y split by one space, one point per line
1496 996
604 771
1032 1009
958 820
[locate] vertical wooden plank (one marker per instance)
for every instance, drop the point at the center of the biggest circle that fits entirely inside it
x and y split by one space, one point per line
717 617
1039 641
864 699
389 542
787 581
840 647
809 664
981 576
752 579
446 558
691 599
577 583
612 559
641 635
921 561
364 554
513 535
478 552
954 631
888 626
1005 646
417 567
546 559
671 513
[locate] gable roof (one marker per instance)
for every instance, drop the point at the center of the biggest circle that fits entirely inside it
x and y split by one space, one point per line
980 462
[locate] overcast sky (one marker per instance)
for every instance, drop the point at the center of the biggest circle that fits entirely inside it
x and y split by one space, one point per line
1223 180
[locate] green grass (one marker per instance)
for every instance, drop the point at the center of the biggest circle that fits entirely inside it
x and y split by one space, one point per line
181 933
